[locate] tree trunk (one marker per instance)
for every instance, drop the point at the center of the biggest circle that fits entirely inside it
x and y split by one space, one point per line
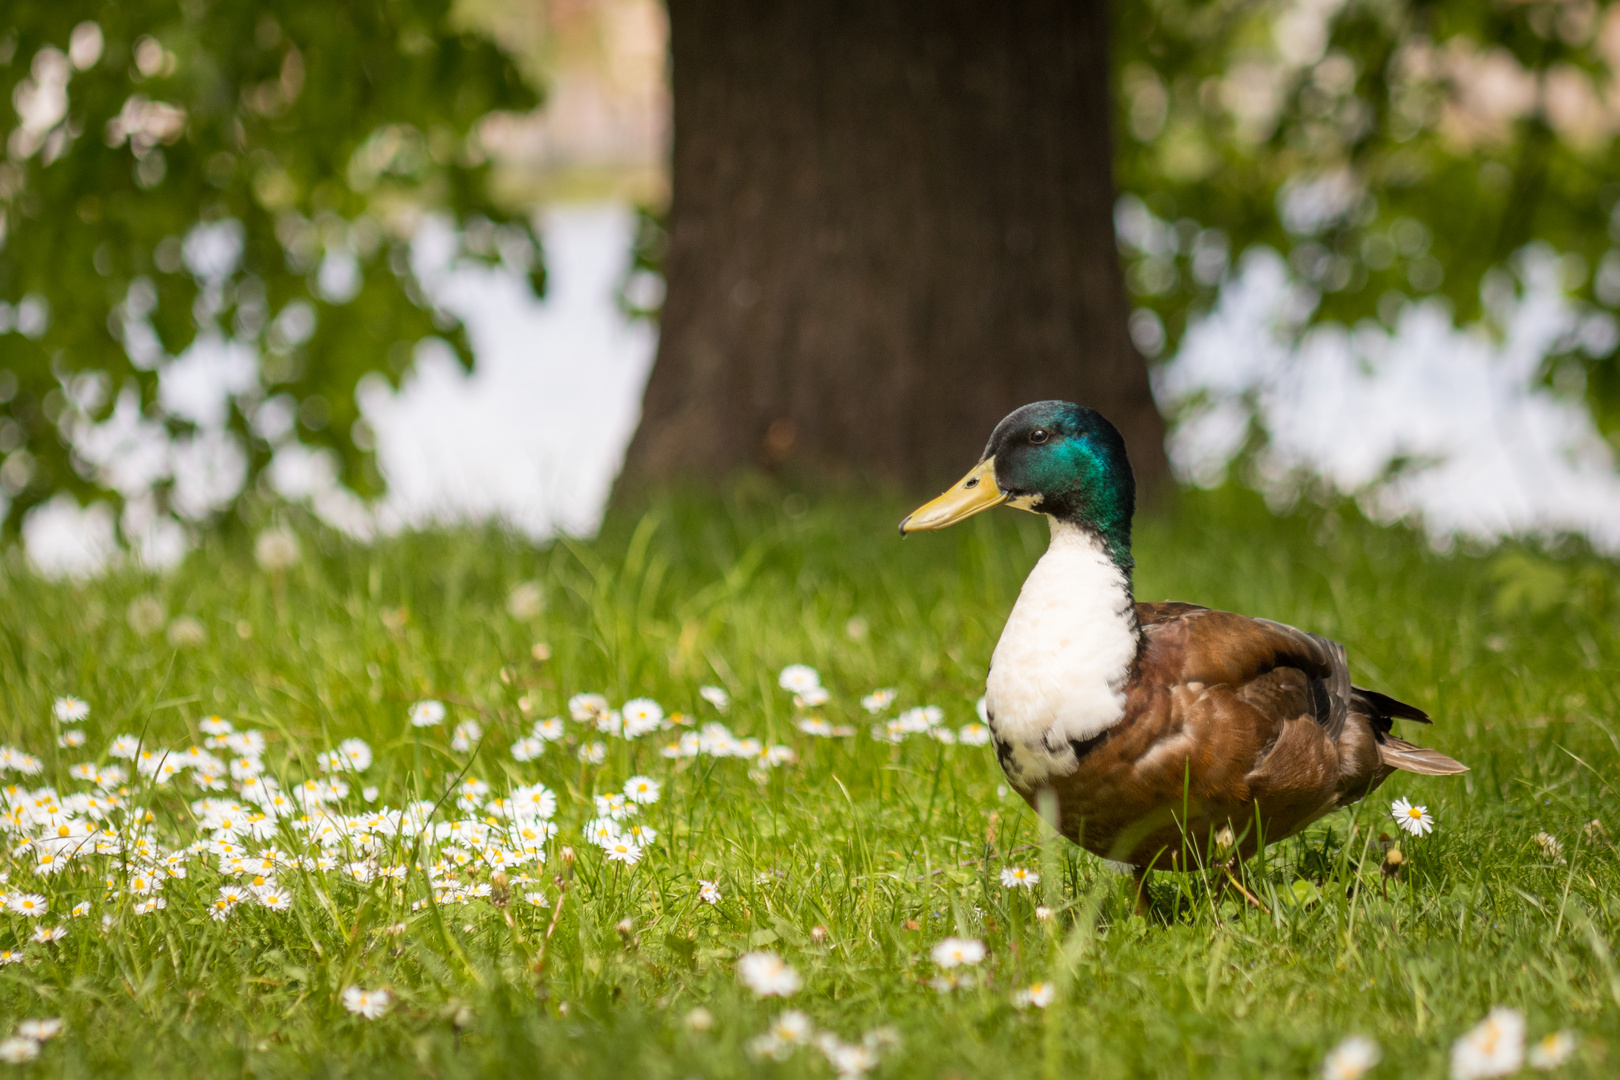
892 224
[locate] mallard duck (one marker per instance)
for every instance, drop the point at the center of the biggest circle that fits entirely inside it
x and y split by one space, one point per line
1156 727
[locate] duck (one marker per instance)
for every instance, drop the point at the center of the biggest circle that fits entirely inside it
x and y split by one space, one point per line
1153 734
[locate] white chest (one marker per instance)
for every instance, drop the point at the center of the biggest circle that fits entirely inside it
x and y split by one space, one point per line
1058 673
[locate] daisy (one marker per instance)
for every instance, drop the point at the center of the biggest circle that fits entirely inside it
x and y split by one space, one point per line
70 738
641 715
427 713
1043 913
950 980
1351 1058
1414 819
30 904
593 753
550 730
715 696
708 891
46 934
955 951
367 1003
974 735
878 700
1038 994
1552 1051
125 746
792 1027
18 1049
215 725
585 707
10 956
151 904
80 909
815 725
1495 1047
466 733
70 710
799 679
538 899
811 698
40 1030
614 807
641 790
535 800
623 850
767 975
528 748
849 1060
1018 877
356 754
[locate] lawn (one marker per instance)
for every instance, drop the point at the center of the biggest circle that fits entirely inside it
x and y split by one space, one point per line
850 857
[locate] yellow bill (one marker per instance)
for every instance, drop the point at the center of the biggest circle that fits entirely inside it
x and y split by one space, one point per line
974 492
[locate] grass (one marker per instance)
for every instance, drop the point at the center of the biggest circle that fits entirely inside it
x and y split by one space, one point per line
889 849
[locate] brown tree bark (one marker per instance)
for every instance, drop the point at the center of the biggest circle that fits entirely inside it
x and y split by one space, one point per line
891 224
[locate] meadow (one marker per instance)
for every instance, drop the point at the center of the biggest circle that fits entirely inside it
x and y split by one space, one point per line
358 829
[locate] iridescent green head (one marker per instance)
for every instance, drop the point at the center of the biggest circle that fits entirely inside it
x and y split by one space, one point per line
1050 457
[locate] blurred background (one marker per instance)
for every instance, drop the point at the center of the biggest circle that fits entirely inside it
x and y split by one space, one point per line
412 262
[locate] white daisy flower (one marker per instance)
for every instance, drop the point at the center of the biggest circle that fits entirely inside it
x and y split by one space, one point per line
799 679
466 733
528 748
18 1050
427 713
70 710
878 700
367 1003
40 1030
1018 877
1552 1051
1494 1047
46 934
812 698
641 716
1039 994
974 735
31 905
593 753
215 725
953 952
550 730
641 790
125 746
1414 819
708 891
356 753
767 975
586 707
623 850
715 696
1351 1058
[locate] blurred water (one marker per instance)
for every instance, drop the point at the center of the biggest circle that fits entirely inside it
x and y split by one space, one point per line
1450 427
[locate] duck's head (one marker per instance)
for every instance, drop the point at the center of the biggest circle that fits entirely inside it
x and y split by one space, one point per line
1054 458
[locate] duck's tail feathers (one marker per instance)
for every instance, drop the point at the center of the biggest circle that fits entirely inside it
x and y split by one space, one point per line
1385 706
1400 754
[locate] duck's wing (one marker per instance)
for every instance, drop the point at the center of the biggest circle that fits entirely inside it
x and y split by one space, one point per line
1287 693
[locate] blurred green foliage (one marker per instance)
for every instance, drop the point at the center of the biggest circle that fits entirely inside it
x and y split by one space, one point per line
1390 149
248 171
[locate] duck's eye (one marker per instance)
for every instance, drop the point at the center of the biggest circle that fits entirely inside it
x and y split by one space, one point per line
1039 435
972 483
